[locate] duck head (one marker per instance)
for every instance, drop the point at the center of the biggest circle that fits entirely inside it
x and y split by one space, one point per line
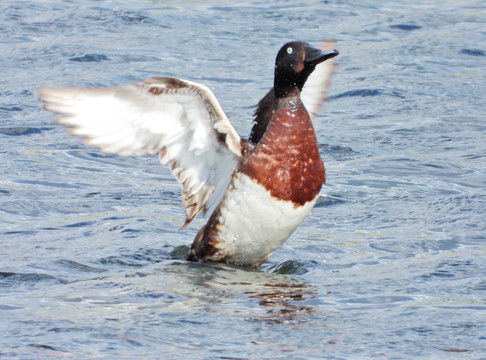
295 62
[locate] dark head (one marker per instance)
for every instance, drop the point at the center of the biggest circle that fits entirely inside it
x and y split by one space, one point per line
295 62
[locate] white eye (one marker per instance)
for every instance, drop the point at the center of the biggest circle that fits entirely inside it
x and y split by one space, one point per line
289 50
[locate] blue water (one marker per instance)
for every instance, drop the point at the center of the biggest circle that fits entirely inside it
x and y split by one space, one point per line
391 263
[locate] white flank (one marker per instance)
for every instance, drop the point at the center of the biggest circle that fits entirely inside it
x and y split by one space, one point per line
254 223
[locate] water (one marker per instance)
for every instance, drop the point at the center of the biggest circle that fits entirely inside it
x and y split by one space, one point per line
391 263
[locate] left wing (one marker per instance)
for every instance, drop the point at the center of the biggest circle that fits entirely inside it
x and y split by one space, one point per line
180 120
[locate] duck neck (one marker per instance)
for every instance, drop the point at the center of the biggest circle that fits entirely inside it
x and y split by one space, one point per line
290 100
283 91
287 84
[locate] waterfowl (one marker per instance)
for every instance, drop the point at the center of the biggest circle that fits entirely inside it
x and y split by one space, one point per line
256 191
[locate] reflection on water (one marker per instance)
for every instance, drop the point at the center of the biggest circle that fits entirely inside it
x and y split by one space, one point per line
281 300
167 287
267 296
283 297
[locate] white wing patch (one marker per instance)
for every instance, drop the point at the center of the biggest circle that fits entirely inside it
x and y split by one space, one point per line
180 120
314 93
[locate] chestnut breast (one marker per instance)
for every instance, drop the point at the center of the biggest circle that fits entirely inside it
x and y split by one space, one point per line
286 161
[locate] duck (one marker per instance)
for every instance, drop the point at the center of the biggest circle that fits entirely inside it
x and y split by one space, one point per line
255 192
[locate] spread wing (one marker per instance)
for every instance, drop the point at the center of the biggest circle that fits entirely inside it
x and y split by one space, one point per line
315 88
312 95
180 120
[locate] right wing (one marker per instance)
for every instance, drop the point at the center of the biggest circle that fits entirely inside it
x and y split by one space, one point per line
315 88
180 120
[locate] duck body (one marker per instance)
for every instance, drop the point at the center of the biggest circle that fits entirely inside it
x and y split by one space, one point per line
257 191
273 189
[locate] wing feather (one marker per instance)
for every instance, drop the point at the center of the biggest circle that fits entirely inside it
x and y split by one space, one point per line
315 88
180 120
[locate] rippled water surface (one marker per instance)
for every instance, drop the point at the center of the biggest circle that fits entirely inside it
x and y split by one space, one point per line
391 263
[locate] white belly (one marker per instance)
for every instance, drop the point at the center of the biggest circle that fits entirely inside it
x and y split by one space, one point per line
253 223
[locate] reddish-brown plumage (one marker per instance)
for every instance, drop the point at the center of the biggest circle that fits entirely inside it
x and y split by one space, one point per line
287 161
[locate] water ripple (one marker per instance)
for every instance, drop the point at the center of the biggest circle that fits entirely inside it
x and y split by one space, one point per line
21 131
90 58
473 52
405 27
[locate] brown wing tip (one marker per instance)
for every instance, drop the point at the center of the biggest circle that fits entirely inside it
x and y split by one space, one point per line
192 211
168 82
186 223
328 45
